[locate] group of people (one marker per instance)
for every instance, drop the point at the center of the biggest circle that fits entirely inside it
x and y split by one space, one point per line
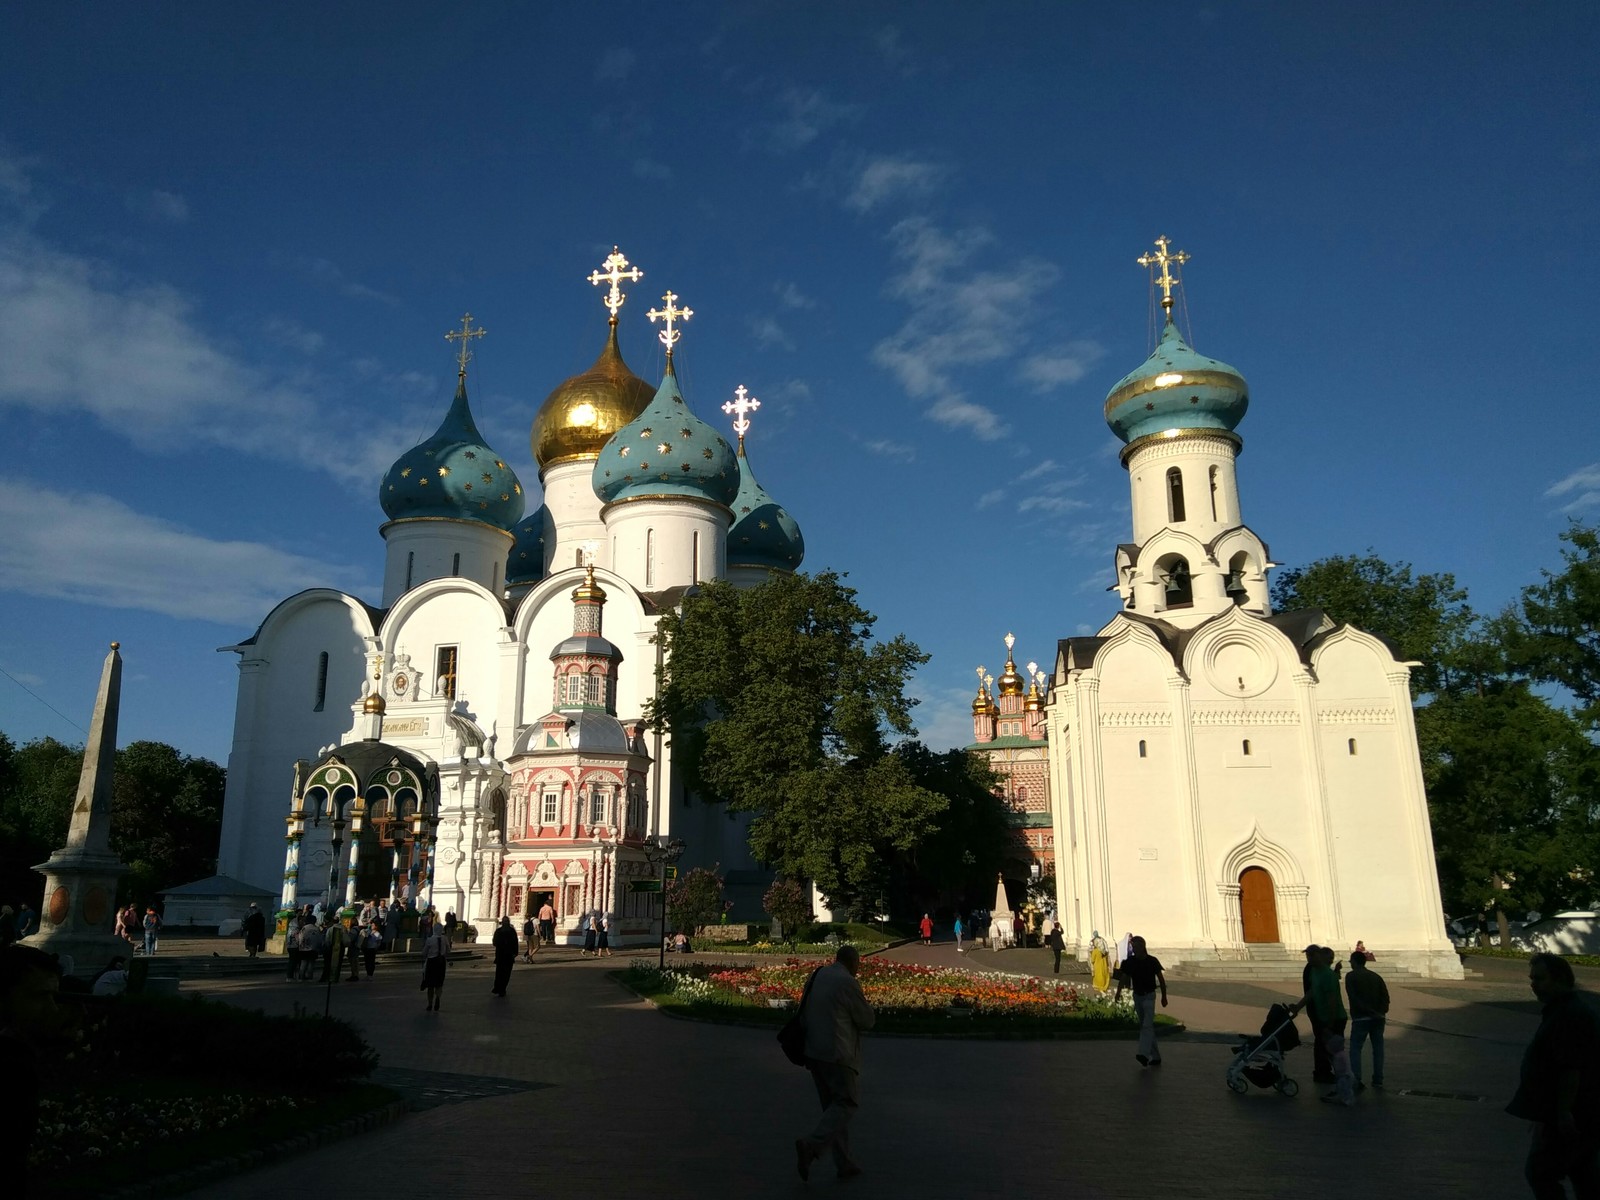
1336 1060
143 931
309 939
17 923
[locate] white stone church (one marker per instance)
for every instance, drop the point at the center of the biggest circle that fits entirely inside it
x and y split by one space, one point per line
1227 781
475 740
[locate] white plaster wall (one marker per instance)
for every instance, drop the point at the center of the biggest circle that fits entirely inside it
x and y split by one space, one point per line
574 516
452 612
276 723
678 559
1194 456
431 544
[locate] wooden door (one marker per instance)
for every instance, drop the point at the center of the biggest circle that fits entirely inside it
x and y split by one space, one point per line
1258 905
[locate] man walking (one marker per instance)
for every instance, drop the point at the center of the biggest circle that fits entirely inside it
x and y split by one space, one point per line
1057 944
255 931
1142 971
1369 1008
835 1013
1560 1087
547 923
505 954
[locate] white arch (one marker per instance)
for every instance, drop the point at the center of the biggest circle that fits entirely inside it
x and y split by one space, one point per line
276 619
408 604
1257 850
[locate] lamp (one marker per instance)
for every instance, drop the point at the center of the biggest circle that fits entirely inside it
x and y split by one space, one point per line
661 851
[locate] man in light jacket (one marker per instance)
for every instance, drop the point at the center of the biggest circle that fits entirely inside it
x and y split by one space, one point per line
836 1013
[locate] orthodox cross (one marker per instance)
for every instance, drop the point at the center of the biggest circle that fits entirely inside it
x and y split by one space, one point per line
1166 281
670 313
741 406
464 335
981 674
617 268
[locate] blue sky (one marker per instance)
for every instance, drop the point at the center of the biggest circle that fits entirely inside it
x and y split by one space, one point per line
232 237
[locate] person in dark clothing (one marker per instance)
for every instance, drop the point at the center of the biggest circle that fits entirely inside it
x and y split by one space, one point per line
29 982
1560 1087
505 954
255 931
1057 944
1321 1064
1142 971
1369 1008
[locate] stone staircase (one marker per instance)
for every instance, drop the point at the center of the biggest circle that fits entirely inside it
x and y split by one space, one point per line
1271 962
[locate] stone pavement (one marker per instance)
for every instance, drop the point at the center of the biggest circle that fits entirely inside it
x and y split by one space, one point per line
622 1101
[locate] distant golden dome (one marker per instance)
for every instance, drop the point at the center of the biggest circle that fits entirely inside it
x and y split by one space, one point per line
579 417
373 704
1010 682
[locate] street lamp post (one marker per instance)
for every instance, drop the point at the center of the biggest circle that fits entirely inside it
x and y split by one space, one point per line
661 851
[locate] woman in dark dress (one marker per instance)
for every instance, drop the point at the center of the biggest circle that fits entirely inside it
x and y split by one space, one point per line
435 955
602 940
589 934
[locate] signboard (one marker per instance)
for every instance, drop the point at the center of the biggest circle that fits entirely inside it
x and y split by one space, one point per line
644 885
672 872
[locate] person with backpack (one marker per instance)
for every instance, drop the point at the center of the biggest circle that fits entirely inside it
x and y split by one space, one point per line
152 928
834 1013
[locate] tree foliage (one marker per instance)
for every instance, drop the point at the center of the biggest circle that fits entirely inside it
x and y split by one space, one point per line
778 703
166 813
1554 634
788 902
958 860
694 899
1426 617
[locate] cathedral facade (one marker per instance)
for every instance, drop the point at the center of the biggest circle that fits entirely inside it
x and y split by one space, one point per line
475 741
1227 781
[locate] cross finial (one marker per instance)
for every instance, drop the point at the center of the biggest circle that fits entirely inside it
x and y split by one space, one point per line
670 313
981 674
464 335
1011 640
617 268
741 406
1166 281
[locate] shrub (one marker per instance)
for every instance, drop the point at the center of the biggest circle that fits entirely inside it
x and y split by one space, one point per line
694 900
789 904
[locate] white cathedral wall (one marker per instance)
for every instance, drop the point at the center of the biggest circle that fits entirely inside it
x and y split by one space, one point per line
1194 457
419 549
459 613
574 516
668 542
276 722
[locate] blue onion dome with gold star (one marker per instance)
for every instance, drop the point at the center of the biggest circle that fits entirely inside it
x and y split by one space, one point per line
763 533
667 451
453 474
525 563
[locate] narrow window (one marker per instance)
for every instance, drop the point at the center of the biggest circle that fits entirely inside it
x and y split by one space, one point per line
1213 493
1352 745
455 565
444 670
578 562
1143 750
322 683
694 561
411 560
548 816
597 806
495 580
1175 495
649 558
1247 747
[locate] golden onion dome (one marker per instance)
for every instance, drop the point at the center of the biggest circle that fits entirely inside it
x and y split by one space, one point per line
374 704
579 417
1035 701
982 704
1010 681
589 591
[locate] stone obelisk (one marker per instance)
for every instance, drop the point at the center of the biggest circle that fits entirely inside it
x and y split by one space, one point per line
80 880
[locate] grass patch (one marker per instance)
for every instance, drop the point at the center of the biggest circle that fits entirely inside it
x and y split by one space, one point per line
1577 960
811 939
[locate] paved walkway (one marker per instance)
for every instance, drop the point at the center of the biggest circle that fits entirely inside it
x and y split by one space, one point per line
572 1084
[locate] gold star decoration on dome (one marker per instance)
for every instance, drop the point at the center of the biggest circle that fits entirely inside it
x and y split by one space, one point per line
1166 281
663 448
741 406
670 314
464 335
617 268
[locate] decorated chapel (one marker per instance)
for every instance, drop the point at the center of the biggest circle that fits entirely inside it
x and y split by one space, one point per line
475 740
1229 782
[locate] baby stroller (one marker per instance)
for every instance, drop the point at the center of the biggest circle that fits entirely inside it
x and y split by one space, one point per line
1259 1059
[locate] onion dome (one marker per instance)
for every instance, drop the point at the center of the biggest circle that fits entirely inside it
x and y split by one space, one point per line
1176 388
763 533
1010 679
983 703
525 563
667 451
453 474
579 417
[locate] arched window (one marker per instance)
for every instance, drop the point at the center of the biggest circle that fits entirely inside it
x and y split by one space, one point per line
1233 583
1143 749
322 681
649 558
1213 474
1178 588
695 559
455 565
597 805
411 561
1352 745
1247 747
1175 511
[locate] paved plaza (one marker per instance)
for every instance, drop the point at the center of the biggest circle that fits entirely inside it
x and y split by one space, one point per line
572 1085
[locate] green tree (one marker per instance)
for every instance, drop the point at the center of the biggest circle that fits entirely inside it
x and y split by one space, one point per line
788 902
1554 635
1514 793
1426 617
40 780
694 899
971 839
779 703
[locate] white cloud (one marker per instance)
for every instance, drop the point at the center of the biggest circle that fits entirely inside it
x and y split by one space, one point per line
943 715
792 297
807 114
1046 467
92 549
1046 372
329 275
288 332
616 63
768 333
1582 486
990 499
157 205
1055 505
892 177
649 168
891 449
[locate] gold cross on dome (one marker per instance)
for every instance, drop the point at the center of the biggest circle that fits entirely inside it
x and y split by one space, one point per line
617 268
1166 281
464 335
741 406
670 313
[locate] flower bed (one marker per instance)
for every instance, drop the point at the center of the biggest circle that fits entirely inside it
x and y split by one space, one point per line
908 997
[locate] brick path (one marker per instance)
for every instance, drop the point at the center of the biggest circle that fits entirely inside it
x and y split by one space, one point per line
626 1102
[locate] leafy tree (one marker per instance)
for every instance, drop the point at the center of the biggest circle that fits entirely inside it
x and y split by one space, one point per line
778 703
971 840
40 780
1426 617
1555 634
788 902
694 900
1514 794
